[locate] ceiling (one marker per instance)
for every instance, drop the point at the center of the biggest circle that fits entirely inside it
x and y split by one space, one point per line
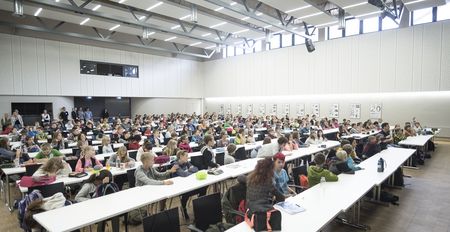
215 17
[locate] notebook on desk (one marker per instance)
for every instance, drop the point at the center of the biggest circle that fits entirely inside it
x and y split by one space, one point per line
289 207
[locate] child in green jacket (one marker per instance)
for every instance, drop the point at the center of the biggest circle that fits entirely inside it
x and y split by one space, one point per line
316 172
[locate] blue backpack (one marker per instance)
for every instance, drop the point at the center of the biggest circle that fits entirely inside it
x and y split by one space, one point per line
23 204
105 189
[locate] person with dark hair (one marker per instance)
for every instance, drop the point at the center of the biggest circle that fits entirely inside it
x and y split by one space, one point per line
146 147
88 190
184 144
271 149
47 152
134 145
317 172
260 187
105 114
5 151
74 114
207 160
386 138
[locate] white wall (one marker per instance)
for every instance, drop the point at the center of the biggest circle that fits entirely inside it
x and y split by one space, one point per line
409 59
33 66
58 102
166 105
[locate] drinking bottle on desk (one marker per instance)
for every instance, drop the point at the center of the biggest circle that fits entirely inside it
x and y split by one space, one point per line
381 164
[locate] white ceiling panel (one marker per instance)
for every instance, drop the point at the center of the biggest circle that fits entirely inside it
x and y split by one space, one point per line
416 5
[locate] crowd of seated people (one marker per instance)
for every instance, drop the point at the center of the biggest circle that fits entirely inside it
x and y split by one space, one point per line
175 133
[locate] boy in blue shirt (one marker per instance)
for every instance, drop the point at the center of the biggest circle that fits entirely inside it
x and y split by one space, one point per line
280 176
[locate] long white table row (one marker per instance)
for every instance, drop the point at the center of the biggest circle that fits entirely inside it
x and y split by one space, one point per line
146 195
325 201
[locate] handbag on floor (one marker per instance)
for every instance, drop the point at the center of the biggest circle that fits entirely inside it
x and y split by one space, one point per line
264 221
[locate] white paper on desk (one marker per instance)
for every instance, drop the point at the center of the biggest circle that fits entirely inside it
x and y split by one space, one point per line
233 166
289 207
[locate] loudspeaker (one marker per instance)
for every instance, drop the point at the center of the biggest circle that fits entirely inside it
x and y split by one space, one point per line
309 45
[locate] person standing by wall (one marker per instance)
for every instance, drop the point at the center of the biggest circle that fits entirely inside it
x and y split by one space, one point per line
16 119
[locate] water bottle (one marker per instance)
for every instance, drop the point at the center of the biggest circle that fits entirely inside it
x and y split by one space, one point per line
118 163
322 180
380 165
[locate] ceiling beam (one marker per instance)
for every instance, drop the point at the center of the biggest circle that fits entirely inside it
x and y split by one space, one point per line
105 40
183 24
240 9
214 14
116 19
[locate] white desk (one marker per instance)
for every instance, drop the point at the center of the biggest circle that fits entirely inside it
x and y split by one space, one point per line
416 141
323 204
361 135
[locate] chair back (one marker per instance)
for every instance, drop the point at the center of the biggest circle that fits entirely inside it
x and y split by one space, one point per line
240 154
207 211
49 190
220 158
132 154
31 169
131 178
167 221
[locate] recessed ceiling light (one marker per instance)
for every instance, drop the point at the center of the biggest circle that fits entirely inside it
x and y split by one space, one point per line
233 3
219 9
84 21
218 25
185 17
417 1
204 35
96 7
122 1
171 38
175 27
259 14
154 6
115 27
245 18
241 31
142 17
38 11
268 26
195 44
354 5
297 9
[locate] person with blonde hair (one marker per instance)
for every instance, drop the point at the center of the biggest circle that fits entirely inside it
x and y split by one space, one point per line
171 149
122 157
146 174
106 145
87 160
54 167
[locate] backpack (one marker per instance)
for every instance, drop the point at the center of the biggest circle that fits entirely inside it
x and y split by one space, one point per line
242 208
23 204
162 159
105 189
389 197
264 221
303 181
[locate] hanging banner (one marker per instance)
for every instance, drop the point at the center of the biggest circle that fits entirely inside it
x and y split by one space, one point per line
334 111
315 109
355 111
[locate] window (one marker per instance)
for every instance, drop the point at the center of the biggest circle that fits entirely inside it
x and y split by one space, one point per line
352 27
250 49
275 41
230 51
334 32
371 24
422 16
239 51
388 23
108 69
224 52
286 40
299 40
267 46
443 12
258 46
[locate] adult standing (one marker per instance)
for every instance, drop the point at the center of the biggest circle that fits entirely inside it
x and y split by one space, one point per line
45 118
64 116
5 121
105 114
74 114
87 115
81 114
16 119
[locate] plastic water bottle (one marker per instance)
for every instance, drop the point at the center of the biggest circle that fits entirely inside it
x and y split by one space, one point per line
380 165
118 163
322 180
